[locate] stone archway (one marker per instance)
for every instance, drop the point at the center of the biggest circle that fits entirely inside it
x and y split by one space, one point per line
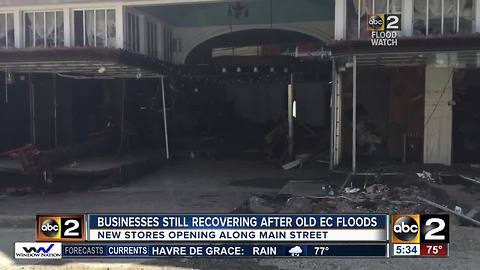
194 36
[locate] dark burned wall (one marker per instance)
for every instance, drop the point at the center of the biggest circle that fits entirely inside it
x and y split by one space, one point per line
373 87
406 114
14 114
393 98
261 103
83 109
44 110
466 116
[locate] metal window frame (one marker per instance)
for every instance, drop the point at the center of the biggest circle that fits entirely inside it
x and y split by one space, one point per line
106 26
151 38
360 6
34 22
95 10
6 28
133 31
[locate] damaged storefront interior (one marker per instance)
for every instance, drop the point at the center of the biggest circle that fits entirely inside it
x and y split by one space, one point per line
240 107
109 93
68 106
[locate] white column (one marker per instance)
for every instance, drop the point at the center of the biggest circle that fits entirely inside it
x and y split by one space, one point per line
18 27
340 19
143 34
119 17
354 116
476 13
407 17
437 147
68 28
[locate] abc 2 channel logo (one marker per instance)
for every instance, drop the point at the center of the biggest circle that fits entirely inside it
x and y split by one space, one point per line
57 227
384 22
416 229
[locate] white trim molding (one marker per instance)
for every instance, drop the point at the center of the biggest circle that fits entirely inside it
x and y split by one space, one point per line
340 19
119 28
407 17
476 19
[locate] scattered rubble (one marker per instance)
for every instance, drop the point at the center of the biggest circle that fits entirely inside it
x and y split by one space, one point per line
426 176
376 198
257 204
350 190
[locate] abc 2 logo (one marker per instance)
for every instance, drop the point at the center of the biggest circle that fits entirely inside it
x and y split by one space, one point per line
384 22
57 227
416 229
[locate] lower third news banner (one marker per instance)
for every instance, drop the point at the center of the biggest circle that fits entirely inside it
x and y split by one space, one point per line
222 250
358 228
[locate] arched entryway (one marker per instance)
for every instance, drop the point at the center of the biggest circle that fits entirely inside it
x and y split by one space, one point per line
240 106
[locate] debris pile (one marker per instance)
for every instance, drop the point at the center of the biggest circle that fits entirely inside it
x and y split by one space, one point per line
369 193
376 198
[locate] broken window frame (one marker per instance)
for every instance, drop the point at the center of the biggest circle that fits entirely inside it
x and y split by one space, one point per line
168 43
152 39
109 33
8 30
58 36
133 31
426 22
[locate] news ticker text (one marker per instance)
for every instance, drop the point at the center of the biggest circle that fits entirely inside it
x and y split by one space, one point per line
403 235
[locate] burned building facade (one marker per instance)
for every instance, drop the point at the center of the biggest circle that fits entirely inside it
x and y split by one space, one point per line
183 78
223 78
413 101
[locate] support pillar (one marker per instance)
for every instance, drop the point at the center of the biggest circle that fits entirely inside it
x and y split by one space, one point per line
165 123
290 119
354 116
55 106
31 94
122 123
333 110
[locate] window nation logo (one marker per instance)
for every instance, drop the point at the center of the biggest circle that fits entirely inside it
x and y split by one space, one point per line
38 250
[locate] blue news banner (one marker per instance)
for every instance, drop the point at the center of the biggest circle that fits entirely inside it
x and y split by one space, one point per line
237 228
156 235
